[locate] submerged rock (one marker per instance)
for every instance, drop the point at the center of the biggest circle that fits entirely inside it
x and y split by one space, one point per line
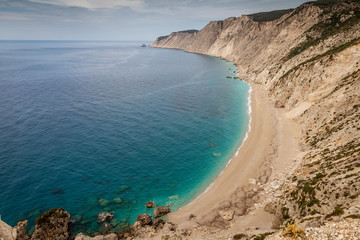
103 202
105 216
161 211
121 189
118 200
57 191
150 204
144 219
216 154
105 227
174 197
53 224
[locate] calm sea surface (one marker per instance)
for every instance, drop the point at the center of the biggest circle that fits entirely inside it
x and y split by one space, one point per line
108 126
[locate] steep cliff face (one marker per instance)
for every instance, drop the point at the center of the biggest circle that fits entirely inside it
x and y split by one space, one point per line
308 62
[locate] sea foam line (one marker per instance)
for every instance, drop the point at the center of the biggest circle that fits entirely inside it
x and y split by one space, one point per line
236 153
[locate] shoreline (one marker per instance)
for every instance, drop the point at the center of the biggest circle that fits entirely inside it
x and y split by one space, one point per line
268 146
243 140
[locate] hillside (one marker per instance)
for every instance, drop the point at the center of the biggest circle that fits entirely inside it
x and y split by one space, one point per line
307 62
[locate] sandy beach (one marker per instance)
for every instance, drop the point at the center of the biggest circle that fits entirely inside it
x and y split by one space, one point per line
270 148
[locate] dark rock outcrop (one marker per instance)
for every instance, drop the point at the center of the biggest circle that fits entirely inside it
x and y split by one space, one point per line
53 224
105 216
144 219
161 211
150 204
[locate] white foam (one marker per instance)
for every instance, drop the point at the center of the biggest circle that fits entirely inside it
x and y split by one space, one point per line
236 153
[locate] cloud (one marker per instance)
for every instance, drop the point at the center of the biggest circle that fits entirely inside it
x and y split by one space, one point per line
95 4
12 16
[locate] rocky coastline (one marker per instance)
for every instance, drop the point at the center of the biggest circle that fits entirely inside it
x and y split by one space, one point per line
305 65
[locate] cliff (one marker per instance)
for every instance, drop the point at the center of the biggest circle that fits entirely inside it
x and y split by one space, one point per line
307 62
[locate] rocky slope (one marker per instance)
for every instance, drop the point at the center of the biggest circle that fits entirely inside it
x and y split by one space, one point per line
307 61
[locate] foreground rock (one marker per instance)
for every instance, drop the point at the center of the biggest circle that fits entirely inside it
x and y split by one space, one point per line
144 219
15 233
105 217
161 211
53 225
111 236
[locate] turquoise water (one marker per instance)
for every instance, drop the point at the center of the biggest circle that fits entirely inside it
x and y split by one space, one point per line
82 122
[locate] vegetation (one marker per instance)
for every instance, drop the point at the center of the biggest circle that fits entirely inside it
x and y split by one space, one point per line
269 16
293 231
326 28
55 212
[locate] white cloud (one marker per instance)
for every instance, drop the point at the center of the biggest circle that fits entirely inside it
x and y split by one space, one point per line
95 4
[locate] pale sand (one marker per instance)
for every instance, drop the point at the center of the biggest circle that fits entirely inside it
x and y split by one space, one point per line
270 148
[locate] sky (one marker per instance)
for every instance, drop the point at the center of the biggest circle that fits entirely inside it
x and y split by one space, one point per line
119 20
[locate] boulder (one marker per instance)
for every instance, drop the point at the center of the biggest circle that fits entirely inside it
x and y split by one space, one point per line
150 204
105 216
158 223
15 233
53 224
161 211
144 219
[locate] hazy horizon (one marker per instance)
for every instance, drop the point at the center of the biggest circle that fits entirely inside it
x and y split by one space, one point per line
118 20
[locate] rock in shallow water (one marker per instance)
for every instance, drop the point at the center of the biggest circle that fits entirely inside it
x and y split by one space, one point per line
161 211
144 219
105 216
150 204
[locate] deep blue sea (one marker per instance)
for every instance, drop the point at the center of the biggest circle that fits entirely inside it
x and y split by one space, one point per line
108 126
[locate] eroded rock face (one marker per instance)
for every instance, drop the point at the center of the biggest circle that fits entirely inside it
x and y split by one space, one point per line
227 215
144 219
15 233
161 211
53 225
111 236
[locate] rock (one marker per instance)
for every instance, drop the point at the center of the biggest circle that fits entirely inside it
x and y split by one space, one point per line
161 211
144 219
170 226
158 223
150 204
103 202
169 204
121 189
227 215
105 216
143 45
174 197
111 236
252 181
105 227
16 233
53 224
216 154
191 216
57 191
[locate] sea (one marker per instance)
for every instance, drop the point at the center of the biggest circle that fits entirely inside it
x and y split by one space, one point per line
108 126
